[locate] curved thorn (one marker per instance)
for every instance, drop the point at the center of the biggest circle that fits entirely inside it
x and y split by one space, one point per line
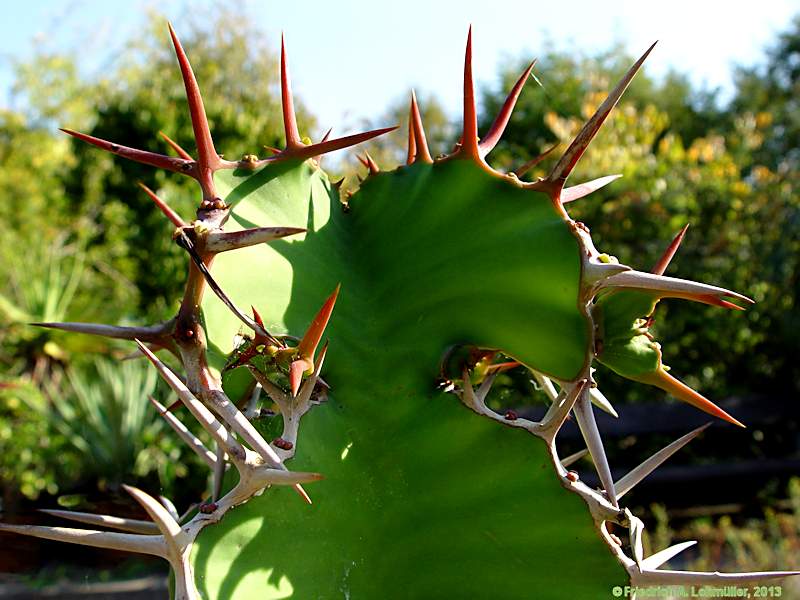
163 206
634 477
534 161
577 192
412 140
197 408
573 458
673 287
183 432
128 542
591 435
669 253
469 139
153 334
167 503
174 145
497 128
160 515
223 241
572 155
302 152
161 161
421 150
129 525
659 558
636 530
293 140
207 157
681 391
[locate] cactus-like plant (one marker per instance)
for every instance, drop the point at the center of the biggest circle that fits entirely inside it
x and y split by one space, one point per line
427 493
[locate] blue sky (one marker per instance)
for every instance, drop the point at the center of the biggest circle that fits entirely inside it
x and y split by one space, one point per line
396 46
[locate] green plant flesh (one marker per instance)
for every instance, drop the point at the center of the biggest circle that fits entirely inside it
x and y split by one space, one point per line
414 482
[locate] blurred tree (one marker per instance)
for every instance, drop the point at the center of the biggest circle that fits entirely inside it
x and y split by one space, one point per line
771 92
561 84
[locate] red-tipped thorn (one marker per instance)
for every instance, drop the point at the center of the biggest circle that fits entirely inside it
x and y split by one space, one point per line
371 164
421 150
302 152
502 367
412 140
669 253
578 146
576 192
308 345
257 317
469 139
296 371
161 161
170 214
175 146
207 157
293 140
534 161
662 286
715 301
497 128
681 391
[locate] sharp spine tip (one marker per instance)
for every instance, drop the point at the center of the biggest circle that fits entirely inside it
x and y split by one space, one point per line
573 153
497 128
420 142
663 262
469 137
163 206
293 141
